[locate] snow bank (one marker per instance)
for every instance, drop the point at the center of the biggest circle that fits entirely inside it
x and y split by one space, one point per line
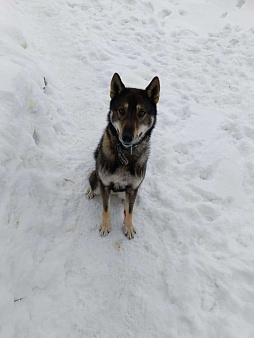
31 172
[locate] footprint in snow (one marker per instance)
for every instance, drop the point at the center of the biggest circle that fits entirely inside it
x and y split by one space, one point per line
208 212
149 6
164 13
181 12
240 3
223 15
233 130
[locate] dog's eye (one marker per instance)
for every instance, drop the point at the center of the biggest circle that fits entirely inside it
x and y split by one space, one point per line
141 113
121 111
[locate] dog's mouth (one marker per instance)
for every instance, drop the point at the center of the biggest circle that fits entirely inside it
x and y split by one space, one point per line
132 143
127 145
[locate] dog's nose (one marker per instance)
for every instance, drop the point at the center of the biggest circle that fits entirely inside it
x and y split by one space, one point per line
127 137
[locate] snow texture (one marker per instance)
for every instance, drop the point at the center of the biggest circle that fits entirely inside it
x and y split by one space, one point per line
189 272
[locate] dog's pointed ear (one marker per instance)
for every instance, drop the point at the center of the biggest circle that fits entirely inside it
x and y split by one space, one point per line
116 86
153 89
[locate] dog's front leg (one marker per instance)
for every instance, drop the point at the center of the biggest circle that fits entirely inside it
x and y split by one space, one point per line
105 227
129 229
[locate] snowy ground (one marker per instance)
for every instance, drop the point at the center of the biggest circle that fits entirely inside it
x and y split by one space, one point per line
189 272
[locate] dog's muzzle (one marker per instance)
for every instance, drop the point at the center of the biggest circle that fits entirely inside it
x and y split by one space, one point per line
127 138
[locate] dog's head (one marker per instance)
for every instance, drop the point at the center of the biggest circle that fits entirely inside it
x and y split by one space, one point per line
133 111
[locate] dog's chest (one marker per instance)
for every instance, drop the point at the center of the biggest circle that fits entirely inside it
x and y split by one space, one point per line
120 179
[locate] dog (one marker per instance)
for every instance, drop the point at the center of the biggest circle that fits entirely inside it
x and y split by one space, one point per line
122 153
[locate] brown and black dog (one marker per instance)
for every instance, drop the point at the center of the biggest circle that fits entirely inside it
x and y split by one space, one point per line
122 154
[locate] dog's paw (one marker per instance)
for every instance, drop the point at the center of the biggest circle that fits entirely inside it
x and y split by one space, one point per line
105 229
89 193
129 231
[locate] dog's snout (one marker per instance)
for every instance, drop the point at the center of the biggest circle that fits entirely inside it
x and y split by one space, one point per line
127 137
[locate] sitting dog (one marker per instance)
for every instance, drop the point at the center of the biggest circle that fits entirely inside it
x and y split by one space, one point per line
122 154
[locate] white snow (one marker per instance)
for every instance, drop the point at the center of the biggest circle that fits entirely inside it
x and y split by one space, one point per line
189 272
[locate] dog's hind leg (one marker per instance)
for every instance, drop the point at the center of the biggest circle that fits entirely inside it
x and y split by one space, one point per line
105 227
94 185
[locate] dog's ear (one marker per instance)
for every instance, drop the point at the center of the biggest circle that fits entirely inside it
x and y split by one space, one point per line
153 89
116 86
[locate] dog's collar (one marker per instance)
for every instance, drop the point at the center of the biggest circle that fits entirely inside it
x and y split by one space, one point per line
119 151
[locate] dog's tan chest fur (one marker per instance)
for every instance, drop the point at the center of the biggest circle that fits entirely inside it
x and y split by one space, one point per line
120 179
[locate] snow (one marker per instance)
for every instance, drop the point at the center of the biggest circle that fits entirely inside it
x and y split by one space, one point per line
189 270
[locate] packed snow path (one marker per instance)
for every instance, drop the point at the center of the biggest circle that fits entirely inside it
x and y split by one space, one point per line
189 272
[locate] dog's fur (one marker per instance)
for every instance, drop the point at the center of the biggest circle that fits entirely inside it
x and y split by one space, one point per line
123 151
